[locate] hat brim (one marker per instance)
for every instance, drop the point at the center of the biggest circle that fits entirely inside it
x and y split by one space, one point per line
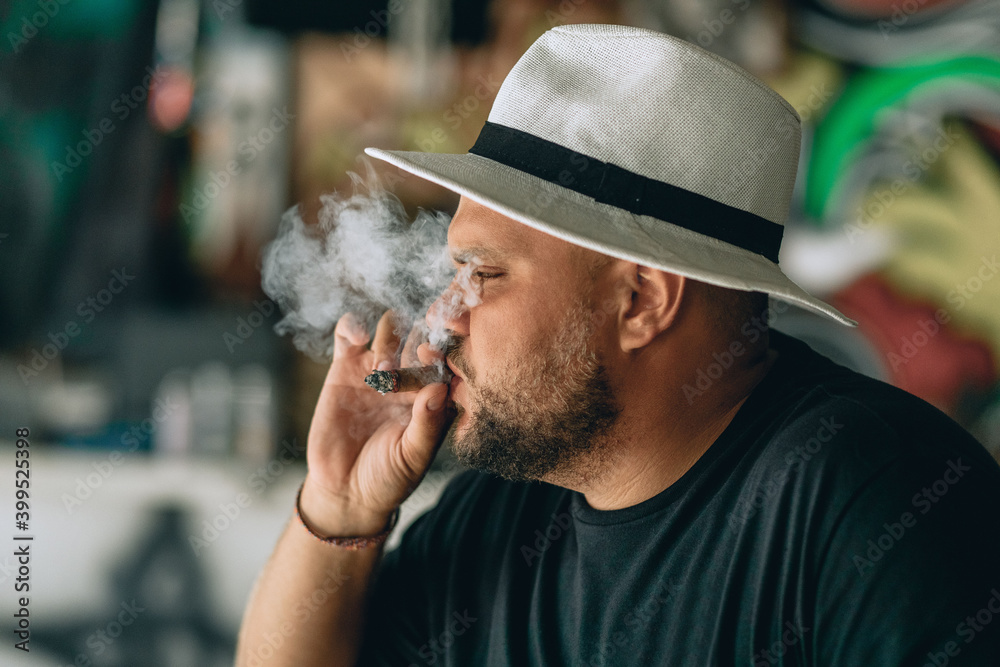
606 229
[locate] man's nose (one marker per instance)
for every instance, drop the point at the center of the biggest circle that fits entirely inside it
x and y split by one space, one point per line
449 311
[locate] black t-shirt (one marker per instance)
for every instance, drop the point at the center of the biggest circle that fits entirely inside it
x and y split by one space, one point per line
836 521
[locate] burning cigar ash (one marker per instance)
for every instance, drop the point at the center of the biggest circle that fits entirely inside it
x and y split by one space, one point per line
406 379
365 257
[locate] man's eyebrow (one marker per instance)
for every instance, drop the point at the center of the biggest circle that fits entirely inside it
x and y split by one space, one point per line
476 252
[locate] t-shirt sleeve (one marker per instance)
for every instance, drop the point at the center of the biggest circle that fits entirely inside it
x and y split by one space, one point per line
406 594
911 573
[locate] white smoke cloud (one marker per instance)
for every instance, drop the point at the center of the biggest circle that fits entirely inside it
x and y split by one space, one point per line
365 257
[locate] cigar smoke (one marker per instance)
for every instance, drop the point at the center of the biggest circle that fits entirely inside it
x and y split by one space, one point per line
365 257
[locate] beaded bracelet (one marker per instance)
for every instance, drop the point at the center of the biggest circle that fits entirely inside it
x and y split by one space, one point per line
351 543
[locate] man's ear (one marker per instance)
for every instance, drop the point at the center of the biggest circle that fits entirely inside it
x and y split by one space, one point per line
655 303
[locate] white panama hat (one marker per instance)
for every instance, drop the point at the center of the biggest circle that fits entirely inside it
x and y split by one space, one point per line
641 146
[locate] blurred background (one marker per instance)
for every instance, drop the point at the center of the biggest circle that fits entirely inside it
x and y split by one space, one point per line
148 149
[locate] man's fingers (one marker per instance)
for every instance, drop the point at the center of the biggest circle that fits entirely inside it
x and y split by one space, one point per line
409 356
386 342
427 355
350 336
425 432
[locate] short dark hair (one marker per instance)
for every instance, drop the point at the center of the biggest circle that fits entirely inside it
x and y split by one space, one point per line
733 309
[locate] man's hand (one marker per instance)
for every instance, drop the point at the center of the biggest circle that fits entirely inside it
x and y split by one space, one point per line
367 452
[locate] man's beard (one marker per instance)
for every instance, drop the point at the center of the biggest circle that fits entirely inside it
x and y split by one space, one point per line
548 415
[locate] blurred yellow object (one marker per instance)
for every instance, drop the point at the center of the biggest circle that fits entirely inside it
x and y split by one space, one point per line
948 228
809 83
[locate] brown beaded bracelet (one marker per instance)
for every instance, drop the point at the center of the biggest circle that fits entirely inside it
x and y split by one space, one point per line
351 543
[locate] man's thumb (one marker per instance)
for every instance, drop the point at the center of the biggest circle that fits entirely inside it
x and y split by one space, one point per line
427 425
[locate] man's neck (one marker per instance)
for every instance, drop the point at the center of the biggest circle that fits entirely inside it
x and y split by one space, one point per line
658 440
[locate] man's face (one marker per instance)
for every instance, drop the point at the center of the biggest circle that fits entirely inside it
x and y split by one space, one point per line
532 393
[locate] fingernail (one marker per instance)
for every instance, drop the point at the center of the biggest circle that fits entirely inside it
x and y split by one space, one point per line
435 402
384 366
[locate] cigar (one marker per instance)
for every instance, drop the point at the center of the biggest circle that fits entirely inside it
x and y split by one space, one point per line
406 379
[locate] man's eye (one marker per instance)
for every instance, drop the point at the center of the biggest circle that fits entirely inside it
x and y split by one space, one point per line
486 275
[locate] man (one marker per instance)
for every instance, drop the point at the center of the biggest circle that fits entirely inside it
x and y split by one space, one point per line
619 225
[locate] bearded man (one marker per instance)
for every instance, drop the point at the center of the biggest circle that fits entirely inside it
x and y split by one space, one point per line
617 234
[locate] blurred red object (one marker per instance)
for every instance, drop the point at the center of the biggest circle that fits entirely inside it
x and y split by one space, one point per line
989 132
170 97
923 353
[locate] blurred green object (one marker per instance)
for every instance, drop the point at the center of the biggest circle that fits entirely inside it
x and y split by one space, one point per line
63 64
66 19
853 119
48 134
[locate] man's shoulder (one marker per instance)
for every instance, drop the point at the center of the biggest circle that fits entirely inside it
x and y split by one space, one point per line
823 399
833 432
840 438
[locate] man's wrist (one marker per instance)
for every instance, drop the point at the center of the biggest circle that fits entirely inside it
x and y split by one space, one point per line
329 515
